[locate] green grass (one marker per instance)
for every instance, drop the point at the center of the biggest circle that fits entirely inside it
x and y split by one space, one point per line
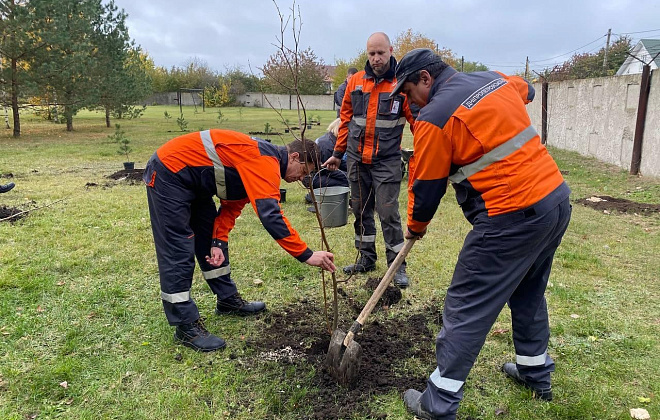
79 293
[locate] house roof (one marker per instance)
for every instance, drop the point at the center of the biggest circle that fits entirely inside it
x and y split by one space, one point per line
653 48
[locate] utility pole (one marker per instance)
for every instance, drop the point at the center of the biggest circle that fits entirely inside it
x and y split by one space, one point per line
462 61
607 48
527 68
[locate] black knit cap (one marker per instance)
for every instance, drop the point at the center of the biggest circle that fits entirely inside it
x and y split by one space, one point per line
410 63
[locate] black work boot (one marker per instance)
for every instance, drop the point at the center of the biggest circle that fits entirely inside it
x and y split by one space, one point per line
7 187
539 393
195 336
362 265
401 278
236 305
412 398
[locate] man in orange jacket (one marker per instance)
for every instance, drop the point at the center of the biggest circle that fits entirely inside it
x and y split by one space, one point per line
182 177
370 134
474 131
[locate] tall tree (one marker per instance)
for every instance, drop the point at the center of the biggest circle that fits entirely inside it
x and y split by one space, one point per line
409 40
120 70
22 27
65 67
283 65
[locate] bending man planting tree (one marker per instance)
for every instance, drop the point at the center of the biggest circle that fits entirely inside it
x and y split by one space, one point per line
474 131
182 177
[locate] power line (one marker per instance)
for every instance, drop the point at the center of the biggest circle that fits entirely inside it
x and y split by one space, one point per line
508 65
638 32
570 52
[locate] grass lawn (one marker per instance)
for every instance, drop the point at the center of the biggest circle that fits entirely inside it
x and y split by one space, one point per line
83 334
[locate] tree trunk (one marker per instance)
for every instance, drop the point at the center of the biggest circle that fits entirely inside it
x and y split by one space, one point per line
68 114
107 117
14 98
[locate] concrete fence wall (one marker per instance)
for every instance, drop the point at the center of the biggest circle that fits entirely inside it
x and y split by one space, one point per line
278 101
597 117
169 98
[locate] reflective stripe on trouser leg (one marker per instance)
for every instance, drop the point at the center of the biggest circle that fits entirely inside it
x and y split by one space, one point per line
362 205
218 278
169 204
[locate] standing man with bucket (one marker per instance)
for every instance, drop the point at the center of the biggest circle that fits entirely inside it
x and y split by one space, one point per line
371 130
473 130
182 177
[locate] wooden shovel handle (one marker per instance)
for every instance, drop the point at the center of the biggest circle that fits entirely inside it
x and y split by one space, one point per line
378 293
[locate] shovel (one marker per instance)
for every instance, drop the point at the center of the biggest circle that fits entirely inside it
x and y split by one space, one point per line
345 368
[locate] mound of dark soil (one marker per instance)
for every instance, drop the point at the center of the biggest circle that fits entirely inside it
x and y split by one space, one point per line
620 205
391 295
131 175
387 346
10 214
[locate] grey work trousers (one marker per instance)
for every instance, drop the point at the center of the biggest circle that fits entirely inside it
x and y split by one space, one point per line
504 259
376 187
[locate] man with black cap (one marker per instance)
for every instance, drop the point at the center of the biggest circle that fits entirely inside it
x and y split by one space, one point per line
474 131
371 130
341 90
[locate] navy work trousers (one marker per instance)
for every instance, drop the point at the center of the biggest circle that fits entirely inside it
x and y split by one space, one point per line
182 224
504 259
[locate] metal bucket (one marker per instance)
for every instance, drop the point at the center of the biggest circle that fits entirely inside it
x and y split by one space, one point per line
333 205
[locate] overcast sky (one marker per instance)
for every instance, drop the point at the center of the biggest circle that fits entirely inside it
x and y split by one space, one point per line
500 34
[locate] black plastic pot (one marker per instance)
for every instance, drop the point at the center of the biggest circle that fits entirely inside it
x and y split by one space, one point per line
282 195
129 166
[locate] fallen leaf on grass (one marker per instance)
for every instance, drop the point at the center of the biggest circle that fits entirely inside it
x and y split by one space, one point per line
61 283
499 331
500 412
64 384
643 399
40 309
639 414
575 316
258 282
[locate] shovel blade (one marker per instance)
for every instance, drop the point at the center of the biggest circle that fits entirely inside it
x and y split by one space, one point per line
343 362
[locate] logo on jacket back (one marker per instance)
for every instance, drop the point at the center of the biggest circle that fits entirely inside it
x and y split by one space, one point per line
482 92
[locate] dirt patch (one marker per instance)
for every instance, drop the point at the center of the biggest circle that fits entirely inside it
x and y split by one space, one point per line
11 214
608 204
7 175
298 336
391 295
130 175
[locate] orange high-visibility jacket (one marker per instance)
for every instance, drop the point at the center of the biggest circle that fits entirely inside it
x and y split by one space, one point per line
238 169
475 132
371 122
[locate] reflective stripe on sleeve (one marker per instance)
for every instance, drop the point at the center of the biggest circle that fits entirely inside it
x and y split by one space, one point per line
531 360
212 274
175 297
495 155
219 169
451 385
365 238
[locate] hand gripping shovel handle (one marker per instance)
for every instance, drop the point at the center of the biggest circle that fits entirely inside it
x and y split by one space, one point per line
378 293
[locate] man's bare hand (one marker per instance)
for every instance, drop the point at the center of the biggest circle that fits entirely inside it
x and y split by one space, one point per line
410 235
332 164
322 259
217 257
